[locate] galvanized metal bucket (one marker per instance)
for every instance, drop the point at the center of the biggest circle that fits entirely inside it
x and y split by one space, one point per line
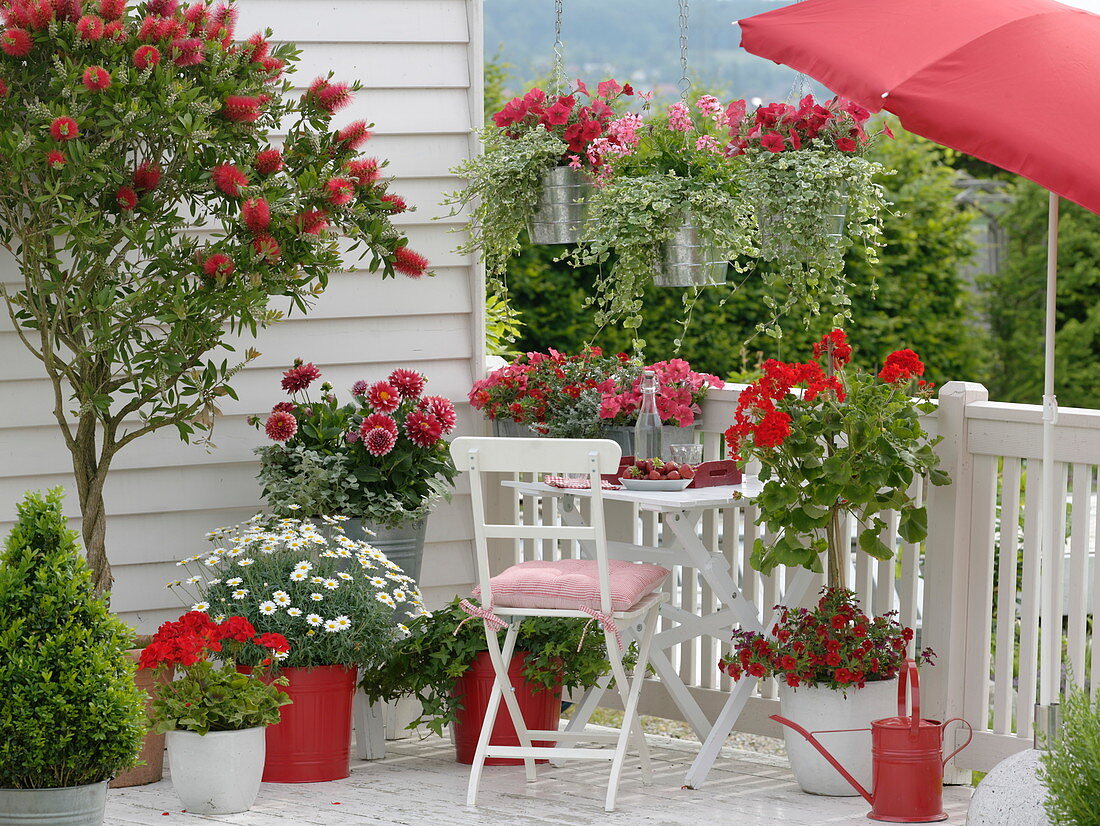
560 213
689 259
403 545
70 806
773 241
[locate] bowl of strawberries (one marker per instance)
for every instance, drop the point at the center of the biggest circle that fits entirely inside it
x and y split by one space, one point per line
655 474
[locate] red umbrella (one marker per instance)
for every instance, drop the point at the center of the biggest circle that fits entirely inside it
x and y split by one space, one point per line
1013 82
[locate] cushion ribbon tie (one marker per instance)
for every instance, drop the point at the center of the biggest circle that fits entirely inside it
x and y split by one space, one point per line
480 612
606 621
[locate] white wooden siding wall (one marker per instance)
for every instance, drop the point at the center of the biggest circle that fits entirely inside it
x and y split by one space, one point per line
421 65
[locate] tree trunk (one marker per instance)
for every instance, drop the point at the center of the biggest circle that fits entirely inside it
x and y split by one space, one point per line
95 538
835 570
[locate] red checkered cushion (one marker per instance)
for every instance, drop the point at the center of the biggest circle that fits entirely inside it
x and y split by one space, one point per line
573 583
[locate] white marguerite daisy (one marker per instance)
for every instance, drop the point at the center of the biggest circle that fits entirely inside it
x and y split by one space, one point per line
332 584
214 582
342 622
331 625
200 606
234 582
281 598
304 565
298 576
220 618
191 580
344 575
399 595
173 584
315 619
378 582
240 593
316 597
281 655
211 561
385 598
244 563
317 580
294 612
268 608
404 629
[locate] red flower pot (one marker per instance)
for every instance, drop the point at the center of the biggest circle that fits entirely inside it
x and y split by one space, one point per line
312 741
541 709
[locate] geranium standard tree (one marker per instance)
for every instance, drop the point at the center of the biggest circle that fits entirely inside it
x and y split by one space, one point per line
151 216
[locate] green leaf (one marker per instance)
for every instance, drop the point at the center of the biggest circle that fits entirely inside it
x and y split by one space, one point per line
870 543
913 524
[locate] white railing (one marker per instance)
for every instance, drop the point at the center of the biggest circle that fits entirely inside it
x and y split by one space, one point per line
972 589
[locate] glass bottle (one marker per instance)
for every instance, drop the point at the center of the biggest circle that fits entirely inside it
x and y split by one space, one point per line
647 430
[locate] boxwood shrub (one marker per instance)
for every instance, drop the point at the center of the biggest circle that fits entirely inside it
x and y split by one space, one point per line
69 711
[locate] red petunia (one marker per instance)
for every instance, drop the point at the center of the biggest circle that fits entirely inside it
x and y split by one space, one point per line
267 248
396 202
300 376
383 397
64 129
280 426
409 383
846 144
90 27
328 96
126 198
229 179
146 56
269 161
773 142
96 79
55 159
312 221
242 109
422 428
147 176
339 191
410 263
256 215
218 265
354 135
16 42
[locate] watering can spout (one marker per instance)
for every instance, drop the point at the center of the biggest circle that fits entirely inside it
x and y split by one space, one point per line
813 741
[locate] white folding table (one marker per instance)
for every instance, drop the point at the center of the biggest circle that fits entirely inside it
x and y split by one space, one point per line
681 545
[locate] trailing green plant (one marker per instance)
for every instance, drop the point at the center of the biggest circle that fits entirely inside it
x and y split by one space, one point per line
70 713
1070 765
503 325
124 130
442 646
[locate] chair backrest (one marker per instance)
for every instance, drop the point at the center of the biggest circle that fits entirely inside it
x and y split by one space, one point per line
591 457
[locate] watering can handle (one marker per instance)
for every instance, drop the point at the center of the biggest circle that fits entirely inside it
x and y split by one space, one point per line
969 736
909 673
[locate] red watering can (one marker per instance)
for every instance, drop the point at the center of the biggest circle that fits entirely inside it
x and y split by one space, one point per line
907 762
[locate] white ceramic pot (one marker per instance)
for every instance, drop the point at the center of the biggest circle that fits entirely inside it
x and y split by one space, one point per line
217 773
823 709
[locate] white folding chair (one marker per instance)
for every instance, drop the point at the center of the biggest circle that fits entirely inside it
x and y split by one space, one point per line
591 457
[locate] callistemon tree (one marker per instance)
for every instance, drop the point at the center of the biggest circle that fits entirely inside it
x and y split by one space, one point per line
152 212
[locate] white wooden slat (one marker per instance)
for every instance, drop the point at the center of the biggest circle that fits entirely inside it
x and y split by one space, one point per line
391 65
979 617
708 646
864 565
335 21
1077 581
1029 606
1094 677
1006 597
884 569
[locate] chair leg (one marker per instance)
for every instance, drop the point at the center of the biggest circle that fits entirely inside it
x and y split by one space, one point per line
501 659
630 691
491 710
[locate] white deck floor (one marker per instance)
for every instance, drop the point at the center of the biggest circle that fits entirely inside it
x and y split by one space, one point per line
420 784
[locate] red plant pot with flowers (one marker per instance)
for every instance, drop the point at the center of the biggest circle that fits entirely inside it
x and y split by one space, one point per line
837 670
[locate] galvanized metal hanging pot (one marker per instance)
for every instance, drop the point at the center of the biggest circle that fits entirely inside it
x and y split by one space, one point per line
560 213
690 259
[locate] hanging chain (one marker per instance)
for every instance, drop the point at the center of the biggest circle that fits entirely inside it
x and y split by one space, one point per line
685 82
559 51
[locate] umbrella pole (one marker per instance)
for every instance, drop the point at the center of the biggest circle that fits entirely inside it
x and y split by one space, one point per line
1046 712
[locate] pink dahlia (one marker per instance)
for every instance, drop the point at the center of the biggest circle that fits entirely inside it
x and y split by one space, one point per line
147 176
64 129
339 191
16 42
379 442
383 397
410 263
96 79
228 179
285 407
396 202
241 109
269 161
354 135
126 198
409 383
256 215
146 57
442 409
300 376
280 426
422 428
365 171
218 265
378 420
359 388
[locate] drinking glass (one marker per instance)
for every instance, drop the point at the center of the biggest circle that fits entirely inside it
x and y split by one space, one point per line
689 454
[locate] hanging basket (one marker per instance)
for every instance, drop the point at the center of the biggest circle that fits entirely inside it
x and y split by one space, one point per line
689 259
560 213
774 242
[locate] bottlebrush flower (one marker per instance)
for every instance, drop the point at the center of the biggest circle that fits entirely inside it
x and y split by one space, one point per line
396 202
163 8
229 179
187 51
257 47
442 409
267 248
378 420
327 96
64 129
55 159
241 109
3 89
365 171
222 24
378 442
197 16
146 56
410 263
90 27
147 176
269 161
300 376
280 426
112 9
256 214
96 79
273 66
409 383
339 191
126 198
354 135
218 264
422 428
383 397
16 42
114 31
312 221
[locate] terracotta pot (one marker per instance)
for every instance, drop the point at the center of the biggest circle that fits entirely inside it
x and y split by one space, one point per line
150 769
